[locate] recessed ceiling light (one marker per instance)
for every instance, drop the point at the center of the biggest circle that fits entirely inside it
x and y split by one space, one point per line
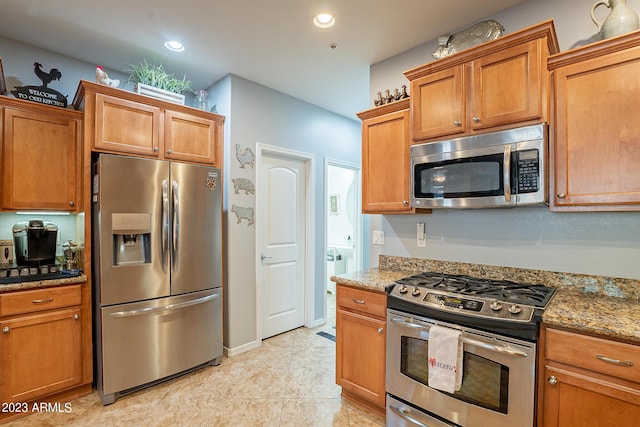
324 20
174 46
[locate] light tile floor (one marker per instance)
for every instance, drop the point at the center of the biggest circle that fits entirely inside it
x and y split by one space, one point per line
289 381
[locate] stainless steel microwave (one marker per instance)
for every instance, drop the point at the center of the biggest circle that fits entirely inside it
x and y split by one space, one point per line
497 169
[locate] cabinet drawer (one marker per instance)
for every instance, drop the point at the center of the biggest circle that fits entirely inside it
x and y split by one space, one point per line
601 355
369 302
39 299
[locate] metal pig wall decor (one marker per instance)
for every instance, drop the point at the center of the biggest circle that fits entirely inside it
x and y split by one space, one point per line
243 213
42 94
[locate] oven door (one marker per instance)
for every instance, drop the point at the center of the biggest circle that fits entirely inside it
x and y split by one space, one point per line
498 374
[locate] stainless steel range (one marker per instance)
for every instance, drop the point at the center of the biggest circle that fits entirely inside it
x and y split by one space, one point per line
498 321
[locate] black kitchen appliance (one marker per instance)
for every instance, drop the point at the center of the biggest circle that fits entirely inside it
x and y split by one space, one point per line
35 242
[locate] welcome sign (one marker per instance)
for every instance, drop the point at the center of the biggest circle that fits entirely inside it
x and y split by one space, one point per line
42 94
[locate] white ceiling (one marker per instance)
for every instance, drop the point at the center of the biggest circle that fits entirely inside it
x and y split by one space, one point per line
271 42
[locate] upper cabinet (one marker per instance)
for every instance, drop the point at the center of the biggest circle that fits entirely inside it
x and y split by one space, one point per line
122 121
385 159
40 156
594 136
492 86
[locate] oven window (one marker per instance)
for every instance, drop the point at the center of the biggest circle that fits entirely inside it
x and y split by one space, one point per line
484 382
475 177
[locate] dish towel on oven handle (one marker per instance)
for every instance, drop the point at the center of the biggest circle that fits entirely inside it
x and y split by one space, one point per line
445 359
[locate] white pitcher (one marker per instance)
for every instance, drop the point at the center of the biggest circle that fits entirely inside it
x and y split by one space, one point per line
620 21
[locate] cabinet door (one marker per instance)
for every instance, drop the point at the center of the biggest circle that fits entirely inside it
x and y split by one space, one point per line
126 126
40 156
360 355
191 138
385 163
577 400
40 354
438 105
596 140
507 86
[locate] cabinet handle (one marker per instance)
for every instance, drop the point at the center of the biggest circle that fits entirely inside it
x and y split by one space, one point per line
457 123
562 196
405 202
156 149
169 151
41 301
358 301
614 361
72 203
380 330
476 119
5 330
552 380
76 316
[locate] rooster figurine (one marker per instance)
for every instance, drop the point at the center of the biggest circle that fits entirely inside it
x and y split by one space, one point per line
53 74
103 78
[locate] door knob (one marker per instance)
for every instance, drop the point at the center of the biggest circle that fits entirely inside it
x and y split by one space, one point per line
552 380
5 330
457 123
169 151
476 119
562 196
263 257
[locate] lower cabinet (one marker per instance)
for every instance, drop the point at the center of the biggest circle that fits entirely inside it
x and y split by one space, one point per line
41 351
588 381
360 345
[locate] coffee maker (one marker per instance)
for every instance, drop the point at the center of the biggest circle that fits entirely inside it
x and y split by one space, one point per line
35 242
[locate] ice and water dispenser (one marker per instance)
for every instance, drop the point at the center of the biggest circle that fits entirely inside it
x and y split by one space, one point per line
131 238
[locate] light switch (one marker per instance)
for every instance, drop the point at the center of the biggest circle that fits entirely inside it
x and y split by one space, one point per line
421 235
378 237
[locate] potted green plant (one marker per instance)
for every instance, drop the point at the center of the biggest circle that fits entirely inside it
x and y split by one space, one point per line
153 80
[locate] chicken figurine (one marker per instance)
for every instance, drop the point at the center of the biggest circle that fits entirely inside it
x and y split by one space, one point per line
103 78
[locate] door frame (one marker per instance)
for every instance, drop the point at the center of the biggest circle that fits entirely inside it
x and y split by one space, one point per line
309 159
358 227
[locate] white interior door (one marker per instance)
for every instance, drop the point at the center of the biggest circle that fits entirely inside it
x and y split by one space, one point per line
281 243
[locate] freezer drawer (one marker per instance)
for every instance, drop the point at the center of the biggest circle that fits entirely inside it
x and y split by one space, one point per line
146 341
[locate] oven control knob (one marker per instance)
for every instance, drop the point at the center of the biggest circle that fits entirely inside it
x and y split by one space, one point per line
495 306
515 309
403 289
415 291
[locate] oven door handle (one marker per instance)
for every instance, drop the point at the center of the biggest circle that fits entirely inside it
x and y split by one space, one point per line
493 347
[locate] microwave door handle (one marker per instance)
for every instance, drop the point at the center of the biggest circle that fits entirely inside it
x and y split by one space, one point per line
507 173
164 232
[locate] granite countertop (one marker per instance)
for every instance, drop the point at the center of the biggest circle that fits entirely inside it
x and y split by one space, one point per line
23 286
604 306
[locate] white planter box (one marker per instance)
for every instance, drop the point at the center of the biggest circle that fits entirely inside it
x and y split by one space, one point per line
162 94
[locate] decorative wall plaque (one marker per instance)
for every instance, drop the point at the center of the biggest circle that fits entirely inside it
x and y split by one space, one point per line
42 94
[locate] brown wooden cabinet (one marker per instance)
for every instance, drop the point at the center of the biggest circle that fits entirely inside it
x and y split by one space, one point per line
40 156
42 354
594 136
495 85
587 381
125 122
360 345
385 159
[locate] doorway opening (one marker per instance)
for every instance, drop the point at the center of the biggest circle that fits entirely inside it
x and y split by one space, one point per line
343 226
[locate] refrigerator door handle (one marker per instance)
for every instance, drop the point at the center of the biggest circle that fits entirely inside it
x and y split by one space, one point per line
154 310
176 227
165 224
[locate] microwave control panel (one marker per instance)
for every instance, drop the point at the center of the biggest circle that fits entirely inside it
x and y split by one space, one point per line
528 171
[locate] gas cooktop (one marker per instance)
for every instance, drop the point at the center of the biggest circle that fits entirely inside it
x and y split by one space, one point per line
490 302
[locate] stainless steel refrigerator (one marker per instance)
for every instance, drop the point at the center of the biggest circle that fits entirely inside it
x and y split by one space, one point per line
157 228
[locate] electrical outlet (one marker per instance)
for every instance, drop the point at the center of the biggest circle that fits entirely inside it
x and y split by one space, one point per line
378 238
421 235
